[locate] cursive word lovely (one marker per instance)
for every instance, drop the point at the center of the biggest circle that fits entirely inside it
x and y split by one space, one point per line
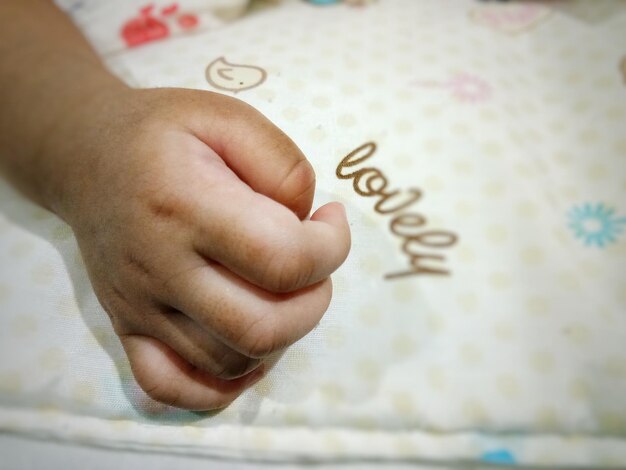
418 243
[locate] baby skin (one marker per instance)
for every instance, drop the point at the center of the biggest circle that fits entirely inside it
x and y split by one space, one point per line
190 209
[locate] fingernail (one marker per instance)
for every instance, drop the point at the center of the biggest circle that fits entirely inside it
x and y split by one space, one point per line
256 375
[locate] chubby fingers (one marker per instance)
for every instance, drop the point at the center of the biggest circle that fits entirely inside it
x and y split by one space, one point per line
266 244
246 318
168 378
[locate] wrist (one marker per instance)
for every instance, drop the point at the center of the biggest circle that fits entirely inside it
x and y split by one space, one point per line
68 150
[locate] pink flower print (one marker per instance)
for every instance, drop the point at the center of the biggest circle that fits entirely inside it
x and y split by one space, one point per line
463 87
469 89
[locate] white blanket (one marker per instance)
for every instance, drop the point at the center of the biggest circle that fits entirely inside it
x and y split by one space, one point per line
481 315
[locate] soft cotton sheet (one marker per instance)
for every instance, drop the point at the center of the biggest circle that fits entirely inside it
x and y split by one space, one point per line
480 149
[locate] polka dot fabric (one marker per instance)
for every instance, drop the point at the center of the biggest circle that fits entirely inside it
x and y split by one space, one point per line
480 150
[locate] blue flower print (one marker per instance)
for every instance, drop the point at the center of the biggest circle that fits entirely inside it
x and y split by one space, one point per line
595 224
501 456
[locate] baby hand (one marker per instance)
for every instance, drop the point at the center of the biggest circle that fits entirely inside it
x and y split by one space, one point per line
189 209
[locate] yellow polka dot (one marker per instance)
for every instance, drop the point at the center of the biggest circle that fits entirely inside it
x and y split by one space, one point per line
532 255
376 106
333 443
474 412
321 101
291 114
346 120
542 361
547 418
296 84
404 126
365 422
261 439
613 422
507 385
431 111
616 114
295 418
402 403
488 115
331 392
324 74
24 324
403 160
504 330
493 189
121 425
5 292
432 146
496 233
43 274
84 393
317 134
588 137
466 254
577 333
569 280
370 315
434 183
403 292
526 171
350 89
537 305
192 432
10 382
464 208
405 446
616 366
368 370
52 358
460 128
492 149
471 354
579 389
468 302
436 377
500 280
436 323
463 167
403 345
597 172
335 338
370 264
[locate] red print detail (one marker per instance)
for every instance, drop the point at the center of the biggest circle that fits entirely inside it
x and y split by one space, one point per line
169 10
187 21
144 28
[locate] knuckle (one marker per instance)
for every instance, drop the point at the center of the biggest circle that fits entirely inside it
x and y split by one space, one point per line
289 270
259 338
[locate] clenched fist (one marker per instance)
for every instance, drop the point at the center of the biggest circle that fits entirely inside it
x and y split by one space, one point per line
190 210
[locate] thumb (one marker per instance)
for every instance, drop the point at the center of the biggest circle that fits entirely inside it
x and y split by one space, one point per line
262 155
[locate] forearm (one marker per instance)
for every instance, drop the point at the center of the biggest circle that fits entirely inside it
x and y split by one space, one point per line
48 75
